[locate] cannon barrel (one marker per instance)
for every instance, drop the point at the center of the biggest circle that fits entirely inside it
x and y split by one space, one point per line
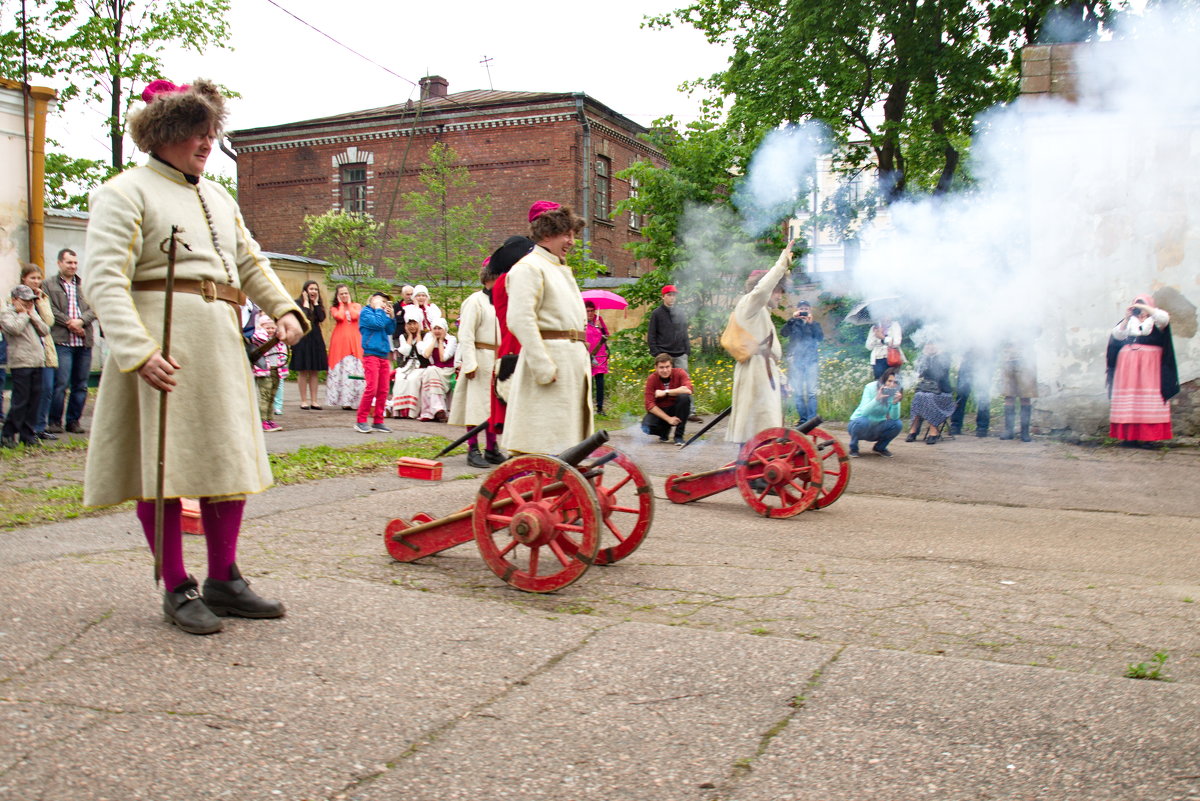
577 453
810 424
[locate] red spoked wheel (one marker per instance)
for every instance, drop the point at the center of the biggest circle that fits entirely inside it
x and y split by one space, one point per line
626 505
835 466
537 523
778 472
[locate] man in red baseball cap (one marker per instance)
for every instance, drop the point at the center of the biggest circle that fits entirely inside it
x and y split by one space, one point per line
668 329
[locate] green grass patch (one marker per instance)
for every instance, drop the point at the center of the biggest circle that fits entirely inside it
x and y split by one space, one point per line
322 461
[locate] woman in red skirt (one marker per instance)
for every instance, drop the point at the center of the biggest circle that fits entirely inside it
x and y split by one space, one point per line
1141 374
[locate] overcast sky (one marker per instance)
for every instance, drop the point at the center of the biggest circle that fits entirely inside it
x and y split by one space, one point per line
286 71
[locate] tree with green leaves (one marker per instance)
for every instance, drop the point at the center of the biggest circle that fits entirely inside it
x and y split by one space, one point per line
104 50
347 241
689 229
442 234
899 81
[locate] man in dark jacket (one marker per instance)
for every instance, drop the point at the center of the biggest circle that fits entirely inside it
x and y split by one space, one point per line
668 329
72 332
804 337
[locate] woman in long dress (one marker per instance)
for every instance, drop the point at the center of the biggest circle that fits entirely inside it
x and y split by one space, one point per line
932 401
309 356
1142 376
344 382
410 364
438 346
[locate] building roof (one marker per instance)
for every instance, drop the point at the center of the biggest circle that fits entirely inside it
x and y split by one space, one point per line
475 100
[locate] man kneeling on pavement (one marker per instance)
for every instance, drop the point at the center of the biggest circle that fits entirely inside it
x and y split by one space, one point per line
877 418
668 400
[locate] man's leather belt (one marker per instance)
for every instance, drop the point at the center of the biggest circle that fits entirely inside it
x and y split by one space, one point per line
484 346
208 289
574 336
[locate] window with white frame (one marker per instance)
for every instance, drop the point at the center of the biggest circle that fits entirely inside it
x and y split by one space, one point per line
635 219
354 188
603 187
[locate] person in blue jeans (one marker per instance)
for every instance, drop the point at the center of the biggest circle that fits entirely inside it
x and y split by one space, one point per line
877 418
804 337
72 332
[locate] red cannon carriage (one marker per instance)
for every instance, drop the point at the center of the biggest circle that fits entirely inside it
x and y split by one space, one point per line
780 472
541 521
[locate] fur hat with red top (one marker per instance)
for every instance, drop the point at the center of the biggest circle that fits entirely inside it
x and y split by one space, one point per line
175 113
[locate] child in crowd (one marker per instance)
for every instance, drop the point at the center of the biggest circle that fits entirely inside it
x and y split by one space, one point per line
269 371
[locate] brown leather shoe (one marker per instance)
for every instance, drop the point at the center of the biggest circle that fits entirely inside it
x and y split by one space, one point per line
74 428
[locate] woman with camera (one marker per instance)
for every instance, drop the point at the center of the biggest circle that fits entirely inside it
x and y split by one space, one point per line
877 418
1142 375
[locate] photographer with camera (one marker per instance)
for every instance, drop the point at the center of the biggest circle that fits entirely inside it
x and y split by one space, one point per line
877 418
804 337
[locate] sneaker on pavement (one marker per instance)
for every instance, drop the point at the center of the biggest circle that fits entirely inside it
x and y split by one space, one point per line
854 452
72 428
381 428
362 428
883 451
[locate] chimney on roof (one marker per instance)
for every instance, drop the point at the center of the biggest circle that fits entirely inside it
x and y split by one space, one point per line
434 86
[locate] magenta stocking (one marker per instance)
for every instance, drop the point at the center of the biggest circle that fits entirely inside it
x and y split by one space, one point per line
174 573
491 440
473 440
222 522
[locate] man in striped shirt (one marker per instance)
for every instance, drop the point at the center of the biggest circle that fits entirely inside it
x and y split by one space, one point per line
72 334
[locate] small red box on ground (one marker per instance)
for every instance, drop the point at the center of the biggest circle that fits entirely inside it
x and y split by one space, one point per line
191 522
426 469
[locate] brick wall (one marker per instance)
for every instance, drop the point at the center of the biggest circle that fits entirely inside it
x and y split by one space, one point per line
515 155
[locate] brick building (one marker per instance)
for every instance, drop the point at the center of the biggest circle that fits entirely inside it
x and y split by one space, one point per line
518 147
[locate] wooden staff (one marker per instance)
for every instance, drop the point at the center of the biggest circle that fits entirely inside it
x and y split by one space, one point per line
159 481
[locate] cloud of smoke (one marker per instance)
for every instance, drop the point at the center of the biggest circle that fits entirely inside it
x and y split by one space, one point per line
1080 206
780 176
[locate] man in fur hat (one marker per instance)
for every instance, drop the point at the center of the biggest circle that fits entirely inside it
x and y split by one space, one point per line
552 381
214 441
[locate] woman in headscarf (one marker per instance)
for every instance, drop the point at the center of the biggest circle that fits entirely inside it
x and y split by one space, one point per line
214 439
427 311
410 364
439 347
1142 376
552 379
344 383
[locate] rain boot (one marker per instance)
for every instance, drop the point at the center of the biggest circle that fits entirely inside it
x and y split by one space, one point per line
1010 419
1026 414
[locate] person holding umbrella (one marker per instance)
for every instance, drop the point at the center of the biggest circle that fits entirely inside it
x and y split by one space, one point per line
214 447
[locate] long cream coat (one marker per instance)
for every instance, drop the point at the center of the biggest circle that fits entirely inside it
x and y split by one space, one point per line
756 404
214 435
549 405
476 326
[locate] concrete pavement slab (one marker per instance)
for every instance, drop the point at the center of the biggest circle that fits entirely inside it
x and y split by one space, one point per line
904 726
638 712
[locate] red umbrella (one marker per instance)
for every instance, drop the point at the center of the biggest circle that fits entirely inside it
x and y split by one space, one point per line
605 299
